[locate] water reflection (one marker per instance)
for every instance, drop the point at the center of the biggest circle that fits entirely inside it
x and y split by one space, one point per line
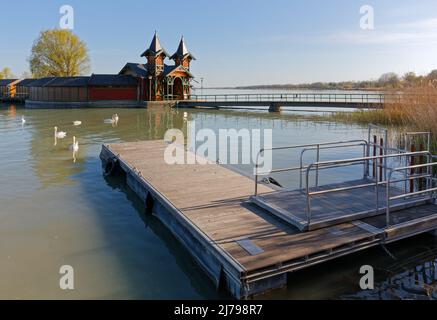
57 208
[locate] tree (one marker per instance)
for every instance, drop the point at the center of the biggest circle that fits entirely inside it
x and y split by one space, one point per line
390 79
410 79
6 73
432 75
58 53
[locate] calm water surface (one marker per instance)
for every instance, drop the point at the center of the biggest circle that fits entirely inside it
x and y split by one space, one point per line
55 211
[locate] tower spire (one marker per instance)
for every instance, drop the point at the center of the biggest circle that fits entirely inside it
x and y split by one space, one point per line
155 48
182 52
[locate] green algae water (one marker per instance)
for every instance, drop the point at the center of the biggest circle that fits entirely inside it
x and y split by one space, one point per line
58 209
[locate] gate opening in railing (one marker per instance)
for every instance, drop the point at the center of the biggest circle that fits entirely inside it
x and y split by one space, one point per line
393 179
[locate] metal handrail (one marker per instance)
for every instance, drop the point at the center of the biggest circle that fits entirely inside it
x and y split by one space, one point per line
357 143
428 189
319 146
321 165
297 97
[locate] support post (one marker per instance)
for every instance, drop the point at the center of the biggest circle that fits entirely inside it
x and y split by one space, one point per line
412 171
375 141
275 107
382 163
422 170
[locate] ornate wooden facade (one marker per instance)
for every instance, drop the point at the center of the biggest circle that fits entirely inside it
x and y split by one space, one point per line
159 81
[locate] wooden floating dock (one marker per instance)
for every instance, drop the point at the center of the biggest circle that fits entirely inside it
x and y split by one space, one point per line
239 245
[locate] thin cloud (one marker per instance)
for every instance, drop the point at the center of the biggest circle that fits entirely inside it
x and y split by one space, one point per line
420 24
382 38
421 32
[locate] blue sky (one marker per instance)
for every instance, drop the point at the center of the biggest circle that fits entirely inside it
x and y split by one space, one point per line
240 42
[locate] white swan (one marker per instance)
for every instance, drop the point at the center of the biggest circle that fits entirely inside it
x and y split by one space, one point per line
60 134
77 123
109 121
75 146
113 120
23 121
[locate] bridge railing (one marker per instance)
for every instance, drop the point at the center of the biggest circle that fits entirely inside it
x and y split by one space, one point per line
297 97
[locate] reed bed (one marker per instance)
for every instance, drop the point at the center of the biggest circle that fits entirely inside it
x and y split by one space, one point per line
417 110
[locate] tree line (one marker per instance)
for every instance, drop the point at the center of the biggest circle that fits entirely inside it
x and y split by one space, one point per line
388 80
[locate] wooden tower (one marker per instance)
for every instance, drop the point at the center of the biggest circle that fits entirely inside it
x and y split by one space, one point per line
183 56
155 55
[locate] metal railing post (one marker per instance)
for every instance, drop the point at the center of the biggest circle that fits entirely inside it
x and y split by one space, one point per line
308 195
317 168
377 186
387 194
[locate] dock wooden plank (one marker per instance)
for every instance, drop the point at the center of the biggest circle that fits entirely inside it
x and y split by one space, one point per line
216 200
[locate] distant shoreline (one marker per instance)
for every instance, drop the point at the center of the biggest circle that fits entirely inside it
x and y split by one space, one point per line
285 87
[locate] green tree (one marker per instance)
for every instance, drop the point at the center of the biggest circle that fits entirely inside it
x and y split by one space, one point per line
6 73
59 53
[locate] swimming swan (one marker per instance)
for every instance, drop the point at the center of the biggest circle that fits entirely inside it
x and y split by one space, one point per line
77 123
60 134
113 120
75 146
109 121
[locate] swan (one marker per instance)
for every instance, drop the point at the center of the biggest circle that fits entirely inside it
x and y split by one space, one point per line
77 123
23 121
60 134
113 120
75 146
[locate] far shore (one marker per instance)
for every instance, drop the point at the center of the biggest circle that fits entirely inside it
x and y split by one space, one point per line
286 88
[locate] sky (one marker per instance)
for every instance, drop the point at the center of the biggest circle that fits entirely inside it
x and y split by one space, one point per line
239 42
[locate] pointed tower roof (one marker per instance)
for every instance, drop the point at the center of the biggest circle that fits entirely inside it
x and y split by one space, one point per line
182 51
155 48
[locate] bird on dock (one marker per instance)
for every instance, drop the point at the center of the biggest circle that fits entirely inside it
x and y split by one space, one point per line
75 146
77 123
60 134
273 181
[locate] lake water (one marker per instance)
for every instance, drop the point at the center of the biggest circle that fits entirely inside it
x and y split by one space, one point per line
56 211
